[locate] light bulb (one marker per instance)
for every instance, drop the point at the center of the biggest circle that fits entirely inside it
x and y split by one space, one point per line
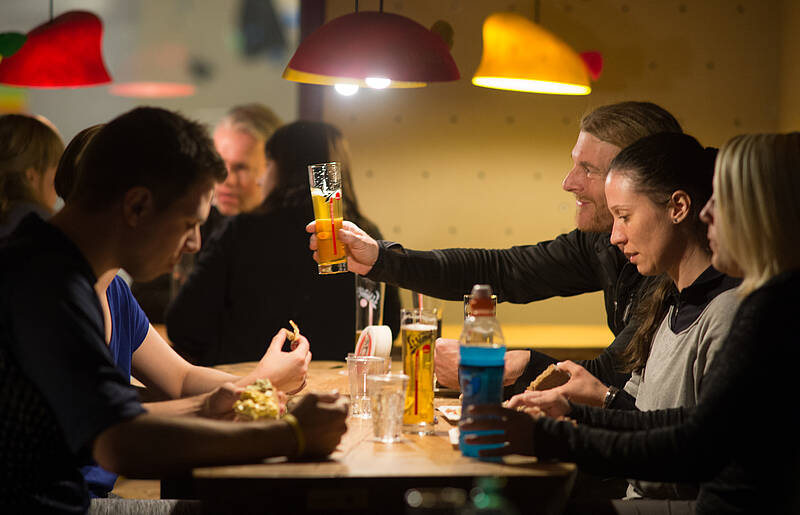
346 89
378 82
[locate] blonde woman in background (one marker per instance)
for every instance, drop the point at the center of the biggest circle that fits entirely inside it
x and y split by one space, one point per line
29 153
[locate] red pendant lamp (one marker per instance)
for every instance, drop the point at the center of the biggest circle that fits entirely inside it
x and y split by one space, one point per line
64 52
372 49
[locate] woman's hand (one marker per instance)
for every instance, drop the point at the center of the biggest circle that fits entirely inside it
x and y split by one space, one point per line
582 387
516 427
549 402
286 370
218 403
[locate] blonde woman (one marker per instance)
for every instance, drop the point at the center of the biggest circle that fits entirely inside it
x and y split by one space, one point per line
29 153
740 442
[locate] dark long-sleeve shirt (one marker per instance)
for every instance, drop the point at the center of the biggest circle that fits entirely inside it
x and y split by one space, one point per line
740 441
573 263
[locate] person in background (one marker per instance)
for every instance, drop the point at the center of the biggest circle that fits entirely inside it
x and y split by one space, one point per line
63 398
740 441
239 139
581 261
29 153
134 343
256 274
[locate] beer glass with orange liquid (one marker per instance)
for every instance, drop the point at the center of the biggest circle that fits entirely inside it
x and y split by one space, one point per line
325 180
418 334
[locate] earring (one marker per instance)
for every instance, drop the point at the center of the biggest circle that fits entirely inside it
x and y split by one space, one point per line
674 220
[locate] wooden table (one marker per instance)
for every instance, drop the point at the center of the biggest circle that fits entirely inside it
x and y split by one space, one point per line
365 476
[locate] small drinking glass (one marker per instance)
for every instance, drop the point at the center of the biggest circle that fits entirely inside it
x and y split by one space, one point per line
358 368
387 400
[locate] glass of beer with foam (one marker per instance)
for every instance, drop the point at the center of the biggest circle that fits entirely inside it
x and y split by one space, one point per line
418 333
325 180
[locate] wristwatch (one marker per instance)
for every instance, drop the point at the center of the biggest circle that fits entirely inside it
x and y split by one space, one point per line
610 395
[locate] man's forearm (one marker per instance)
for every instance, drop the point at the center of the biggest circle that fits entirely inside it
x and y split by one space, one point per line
184 407
151 446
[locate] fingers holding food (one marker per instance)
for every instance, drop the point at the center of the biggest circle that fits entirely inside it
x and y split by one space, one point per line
293 335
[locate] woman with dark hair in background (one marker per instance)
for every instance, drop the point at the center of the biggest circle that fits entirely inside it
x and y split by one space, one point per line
29 154
257 274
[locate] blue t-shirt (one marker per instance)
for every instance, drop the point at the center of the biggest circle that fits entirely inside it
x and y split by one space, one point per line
129 326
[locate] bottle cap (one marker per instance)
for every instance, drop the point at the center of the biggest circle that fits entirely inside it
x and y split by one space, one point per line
480 302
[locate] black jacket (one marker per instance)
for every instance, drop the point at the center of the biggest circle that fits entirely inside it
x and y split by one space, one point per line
154 296
573 263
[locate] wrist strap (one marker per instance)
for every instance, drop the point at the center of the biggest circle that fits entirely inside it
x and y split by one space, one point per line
610 396
298 432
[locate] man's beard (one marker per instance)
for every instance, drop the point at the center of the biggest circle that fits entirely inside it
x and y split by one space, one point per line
597 222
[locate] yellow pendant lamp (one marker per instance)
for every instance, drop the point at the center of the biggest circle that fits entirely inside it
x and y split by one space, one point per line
520 55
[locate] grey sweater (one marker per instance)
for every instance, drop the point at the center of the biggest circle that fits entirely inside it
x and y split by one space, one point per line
674 372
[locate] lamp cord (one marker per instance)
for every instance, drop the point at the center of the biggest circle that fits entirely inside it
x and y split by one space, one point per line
51 10
536 10
356 7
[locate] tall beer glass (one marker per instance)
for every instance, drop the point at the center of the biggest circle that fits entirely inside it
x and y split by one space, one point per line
325 180
418 330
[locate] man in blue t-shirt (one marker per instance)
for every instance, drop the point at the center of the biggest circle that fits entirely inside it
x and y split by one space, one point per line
145 186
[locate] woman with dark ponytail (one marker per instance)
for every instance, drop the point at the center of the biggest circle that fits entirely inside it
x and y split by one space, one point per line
674 173
656 189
